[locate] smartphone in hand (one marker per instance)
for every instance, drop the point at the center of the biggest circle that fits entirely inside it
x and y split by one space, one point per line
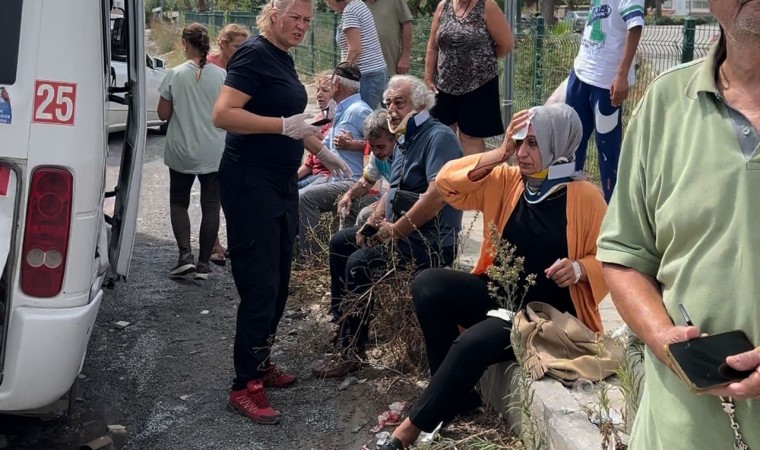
368 230
701 362
321 122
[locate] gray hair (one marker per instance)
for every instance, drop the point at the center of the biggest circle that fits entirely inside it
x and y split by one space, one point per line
376 125
349 85
421 96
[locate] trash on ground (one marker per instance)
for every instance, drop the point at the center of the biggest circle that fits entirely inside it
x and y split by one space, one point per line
428 438
117 429
347 383
95 444
204 312
390 417
121 324
185 397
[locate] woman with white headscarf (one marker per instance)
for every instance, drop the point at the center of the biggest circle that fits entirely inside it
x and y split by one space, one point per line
551 218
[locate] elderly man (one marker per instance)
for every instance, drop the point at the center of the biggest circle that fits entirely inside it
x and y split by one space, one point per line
413 234
682 229
346 137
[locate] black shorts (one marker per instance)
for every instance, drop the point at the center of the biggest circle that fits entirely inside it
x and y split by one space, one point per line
477 113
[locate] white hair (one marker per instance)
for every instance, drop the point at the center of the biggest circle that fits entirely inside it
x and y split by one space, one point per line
349 85
421 96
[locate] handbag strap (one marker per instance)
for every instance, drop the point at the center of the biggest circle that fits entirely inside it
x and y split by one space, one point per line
729 408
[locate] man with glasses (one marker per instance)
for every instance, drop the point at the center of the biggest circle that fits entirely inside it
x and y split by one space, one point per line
411 228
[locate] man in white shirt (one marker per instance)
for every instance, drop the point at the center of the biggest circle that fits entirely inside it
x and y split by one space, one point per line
599 81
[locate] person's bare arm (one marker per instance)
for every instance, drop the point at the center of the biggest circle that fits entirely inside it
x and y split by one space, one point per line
431 56
402 66
303 171
229 115
498 28
312 144
638 299
354 40
619 88
165 109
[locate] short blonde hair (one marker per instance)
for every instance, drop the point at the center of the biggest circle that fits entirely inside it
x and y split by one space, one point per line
322 77
232 31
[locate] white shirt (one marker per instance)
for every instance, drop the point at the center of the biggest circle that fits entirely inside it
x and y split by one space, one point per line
603 40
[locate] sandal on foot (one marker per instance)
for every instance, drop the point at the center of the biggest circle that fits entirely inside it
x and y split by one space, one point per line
218 258
391 443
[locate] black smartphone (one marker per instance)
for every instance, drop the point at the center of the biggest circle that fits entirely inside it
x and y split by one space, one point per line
702 361
368 230
321 122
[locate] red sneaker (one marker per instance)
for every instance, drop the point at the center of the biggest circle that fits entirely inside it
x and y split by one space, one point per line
276 379
252 402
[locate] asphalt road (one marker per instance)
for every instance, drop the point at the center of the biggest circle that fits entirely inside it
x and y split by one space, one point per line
166 376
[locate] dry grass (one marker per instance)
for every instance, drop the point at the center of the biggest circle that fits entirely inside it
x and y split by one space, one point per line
166 37
482 432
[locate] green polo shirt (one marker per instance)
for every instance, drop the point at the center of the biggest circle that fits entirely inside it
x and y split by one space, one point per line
685 210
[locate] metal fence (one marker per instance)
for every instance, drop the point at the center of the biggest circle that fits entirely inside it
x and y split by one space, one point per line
542 58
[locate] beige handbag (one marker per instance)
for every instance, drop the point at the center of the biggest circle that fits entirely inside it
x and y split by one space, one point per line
559 345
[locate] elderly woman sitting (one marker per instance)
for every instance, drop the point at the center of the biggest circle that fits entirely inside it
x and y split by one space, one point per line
551 219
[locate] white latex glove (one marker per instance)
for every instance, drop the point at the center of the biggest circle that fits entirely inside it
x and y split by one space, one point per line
335 163
295 127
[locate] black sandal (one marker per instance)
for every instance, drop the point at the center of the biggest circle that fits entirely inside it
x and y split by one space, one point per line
391 443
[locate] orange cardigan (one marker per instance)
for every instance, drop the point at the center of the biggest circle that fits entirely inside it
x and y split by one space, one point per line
496 196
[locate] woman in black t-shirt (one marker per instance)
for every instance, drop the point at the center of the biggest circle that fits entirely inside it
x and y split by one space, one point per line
261 106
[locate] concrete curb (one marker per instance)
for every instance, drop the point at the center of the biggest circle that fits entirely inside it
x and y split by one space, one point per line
566 425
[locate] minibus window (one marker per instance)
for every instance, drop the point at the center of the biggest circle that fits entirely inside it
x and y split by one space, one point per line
10 29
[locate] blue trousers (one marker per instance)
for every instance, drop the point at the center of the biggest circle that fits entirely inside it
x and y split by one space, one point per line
372 86
595 109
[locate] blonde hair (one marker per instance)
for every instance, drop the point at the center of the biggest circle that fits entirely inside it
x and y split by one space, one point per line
232 31
264 19
322 77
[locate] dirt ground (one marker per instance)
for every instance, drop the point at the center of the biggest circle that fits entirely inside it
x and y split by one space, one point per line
165 377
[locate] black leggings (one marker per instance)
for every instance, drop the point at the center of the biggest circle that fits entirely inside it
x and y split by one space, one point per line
180 185
445 299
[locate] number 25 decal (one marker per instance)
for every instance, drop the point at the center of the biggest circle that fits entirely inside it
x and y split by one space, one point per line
54 102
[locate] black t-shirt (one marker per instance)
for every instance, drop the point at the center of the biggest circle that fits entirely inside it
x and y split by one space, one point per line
538 232
268 75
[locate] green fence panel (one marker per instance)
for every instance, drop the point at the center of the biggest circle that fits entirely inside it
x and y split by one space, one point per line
543 55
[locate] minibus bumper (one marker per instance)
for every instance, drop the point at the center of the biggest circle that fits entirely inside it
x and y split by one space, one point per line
45 352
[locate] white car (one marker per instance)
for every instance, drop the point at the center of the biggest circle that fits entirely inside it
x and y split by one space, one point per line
154 74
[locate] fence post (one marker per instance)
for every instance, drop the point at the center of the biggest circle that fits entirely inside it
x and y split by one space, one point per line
334 41
511 11
313 50
537 61
689 29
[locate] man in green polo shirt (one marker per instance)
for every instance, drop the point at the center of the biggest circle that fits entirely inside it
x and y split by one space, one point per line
393 21
684 227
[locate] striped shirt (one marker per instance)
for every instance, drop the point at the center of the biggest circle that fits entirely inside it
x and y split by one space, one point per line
357 15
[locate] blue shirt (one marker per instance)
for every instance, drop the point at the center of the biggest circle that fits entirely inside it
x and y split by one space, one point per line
349 116
416 162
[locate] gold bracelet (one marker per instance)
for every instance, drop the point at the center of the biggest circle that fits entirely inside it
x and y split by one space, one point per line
405 216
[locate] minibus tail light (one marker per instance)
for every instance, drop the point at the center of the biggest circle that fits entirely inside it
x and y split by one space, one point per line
46 232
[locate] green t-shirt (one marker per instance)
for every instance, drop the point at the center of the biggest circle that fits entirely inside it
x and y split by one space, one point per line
389 15
193 144
685 210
